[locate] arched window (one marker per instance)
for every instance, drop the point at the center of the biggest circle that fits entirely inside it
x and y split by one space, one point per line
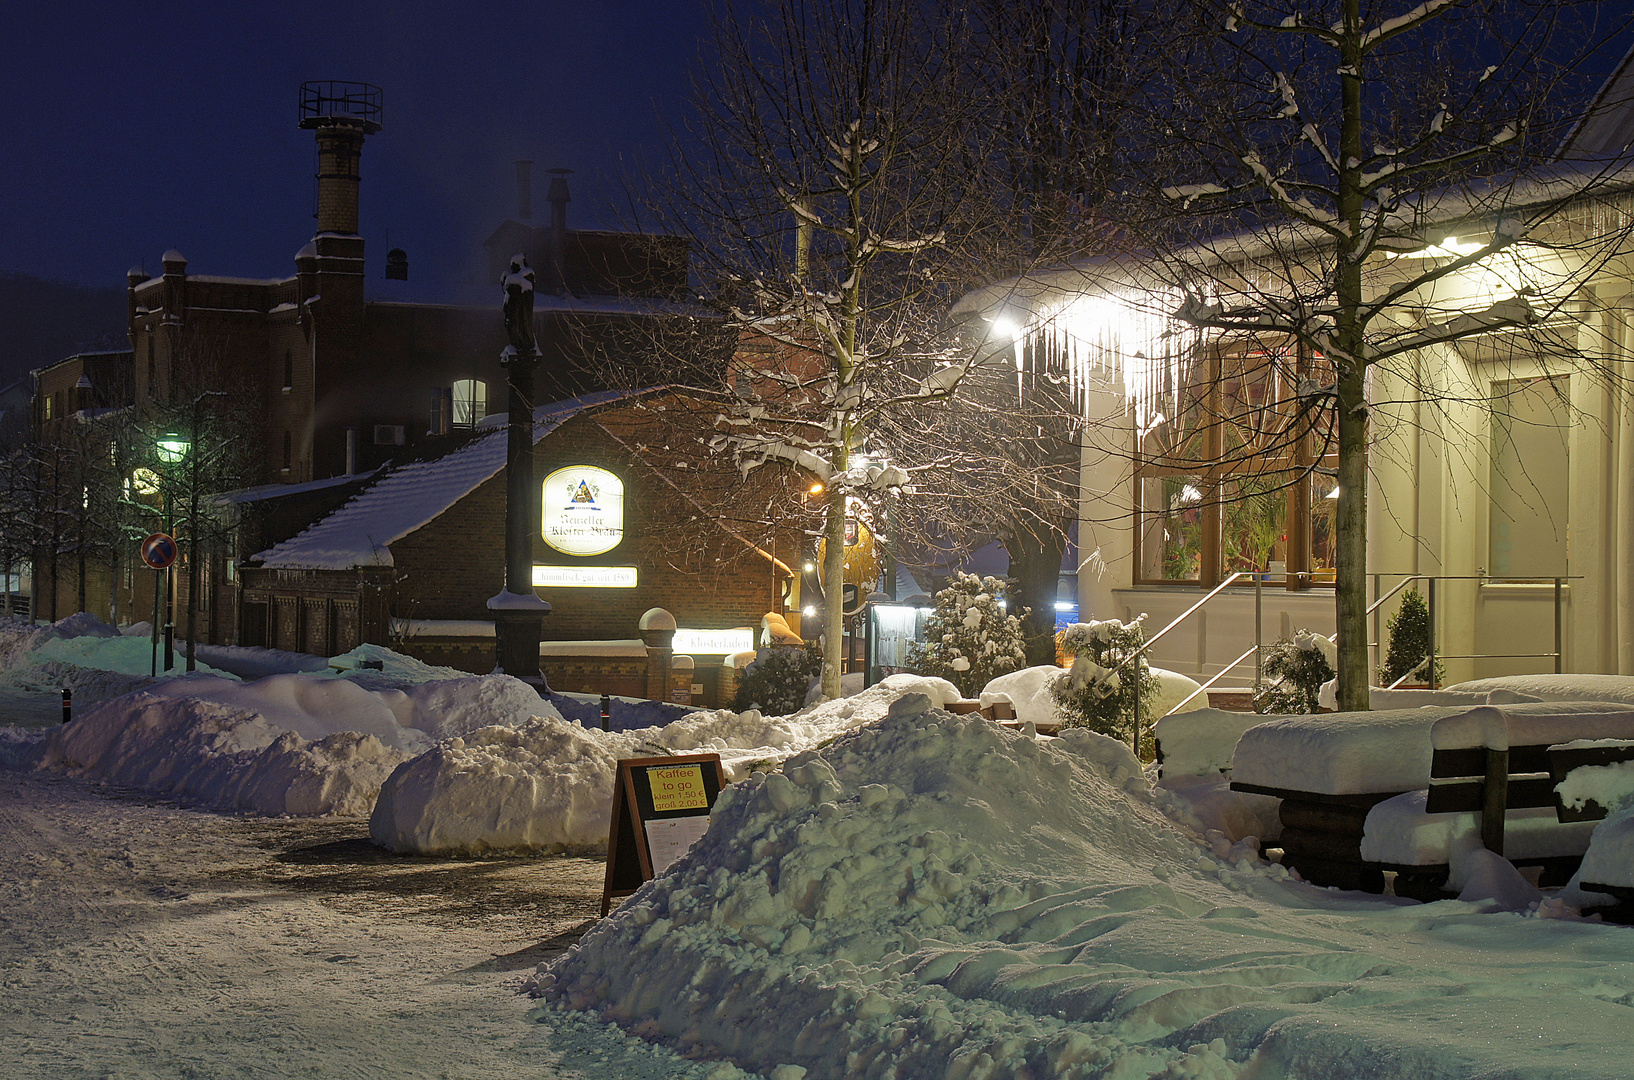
470 402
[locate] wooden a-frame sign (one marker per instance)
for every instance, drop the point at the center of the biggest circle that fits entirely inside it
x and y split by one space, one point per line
660 805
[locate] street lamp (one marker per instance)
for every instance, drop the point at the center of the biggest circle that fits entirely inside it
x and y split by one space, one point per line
172 448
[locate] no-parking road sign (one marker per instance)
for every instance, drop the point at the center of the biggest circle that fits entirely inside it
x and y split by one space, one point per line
159 550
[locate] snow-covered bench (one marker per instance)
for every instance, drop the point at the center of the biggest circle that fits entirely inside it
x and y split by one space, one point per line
1331 770
1594 781
1489 784
1201 742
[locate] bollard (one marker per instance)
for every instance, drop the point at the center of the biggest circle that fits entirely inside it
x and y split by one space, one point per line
606 712
67 704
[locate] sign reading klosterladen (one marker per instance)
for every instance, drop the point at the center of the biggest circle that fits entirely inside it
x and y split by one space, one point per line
583 510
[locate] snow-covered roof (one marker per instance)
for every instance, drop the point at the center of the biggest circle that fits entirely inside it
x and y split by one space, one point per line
1606 127
362 531
547 303
1423 215
278 491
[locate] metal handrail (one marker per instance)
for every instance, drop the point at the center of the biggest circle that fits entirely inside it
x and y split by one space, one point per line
1134 657
1217 676
1429 661
1259 579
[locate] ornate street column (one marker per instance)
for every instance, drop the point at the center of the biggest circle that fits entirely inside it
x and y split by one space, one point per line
518 611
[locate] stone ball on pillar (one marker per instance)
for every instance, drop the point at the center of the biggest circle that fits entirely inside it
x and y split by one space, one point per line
657 627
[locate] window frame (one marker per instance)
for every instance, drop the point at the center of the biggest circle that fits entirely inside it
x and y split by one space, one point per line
1245 391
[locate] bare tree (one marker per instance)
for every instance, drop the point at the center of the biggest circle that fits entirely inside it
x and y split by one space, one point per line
1001 460
819 187
196 442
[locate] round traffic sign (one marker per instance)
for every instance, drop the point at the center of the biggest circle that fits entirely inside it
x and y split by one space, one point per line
159 550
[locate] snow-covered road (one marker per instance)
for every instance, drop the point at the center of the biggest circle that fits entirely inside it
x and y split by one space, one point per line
139 939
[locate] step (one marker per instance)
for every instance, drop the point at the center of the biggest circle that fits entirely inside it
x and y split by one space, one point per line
1231 699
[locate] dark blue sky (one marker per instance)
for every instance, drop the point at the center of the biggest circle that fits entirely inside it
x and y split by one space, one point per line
133 128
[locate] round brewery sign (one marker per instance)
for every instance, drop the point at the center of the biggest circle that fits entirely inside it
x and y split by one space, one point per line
582 510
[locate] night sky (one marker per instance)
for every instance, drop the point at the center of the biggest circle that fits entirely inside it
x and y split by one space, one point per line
134 128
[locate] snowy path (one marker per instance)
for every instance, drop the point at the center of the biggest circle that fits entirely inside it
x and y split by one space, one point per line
144 940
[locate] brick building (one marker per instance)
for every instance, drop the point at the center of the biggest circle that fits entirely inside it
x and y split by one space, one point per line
347 381
335 381
640 522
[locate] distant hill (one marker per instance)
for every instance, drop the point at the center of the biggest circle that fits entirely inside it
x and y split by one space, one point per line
46 321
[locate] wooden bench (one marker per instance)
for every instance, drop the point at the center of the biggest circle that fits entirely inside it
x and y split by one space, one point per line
1322 835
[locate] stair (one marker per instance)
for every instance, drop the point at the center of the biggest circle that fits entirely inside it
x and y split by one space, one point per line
1231 699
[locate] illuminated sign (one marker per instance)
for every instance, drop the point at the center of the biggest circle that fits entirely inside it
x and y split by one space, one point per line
584 577
582 510
739 640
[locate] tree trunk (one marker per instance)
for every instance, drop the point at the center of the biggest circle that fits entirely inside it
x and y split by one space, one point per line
1350 541
833 590
1035 566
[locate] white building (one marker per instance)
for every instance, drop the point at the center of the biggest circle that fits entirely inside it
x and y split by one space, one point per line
1501 464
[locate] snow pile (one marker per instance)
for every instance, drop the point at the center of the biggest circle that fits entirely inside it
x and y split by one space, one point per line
286 744
1611 786
1340 753
221 755
389 669
1206 804
1380 697
843 915
1610 857
1029 691
548 784
1389 750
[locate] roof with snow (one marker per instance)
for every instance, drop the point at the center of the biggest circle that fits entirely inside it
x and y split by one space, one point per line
1606 128
409 497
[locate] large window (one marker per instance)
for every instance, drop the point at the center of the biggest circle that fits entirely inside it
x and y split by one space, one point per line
1236 473
1527 530
470 398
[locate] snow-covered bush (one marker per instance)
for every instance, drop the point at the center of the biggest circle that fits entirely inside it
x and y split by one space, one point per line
1095 694
970 639
1295 669
776 681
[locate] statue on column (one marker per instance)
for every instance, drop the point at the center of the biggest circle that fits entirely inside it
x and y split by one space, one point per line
517 609
519 310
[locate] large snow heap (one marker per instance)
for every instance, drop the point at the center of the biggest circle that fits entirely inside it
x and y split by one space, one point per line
548 783
860 912
285 744
937 896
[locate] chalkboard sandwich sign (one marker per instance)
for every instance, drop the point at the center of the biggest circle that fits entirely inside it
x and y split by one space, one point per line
660 806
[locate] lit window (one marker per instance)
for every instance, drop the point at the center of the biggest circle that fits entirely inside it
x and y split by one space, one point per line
1227 484
470 402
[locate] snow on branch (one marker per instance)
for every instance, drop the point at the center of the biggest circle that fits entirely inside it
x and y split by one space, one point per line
1503 315
1402 23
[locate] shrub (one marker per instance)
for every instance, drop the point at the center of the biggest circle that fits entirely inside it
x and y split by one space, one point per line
1409 642
1295 669
777 680
1094 694
970 639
